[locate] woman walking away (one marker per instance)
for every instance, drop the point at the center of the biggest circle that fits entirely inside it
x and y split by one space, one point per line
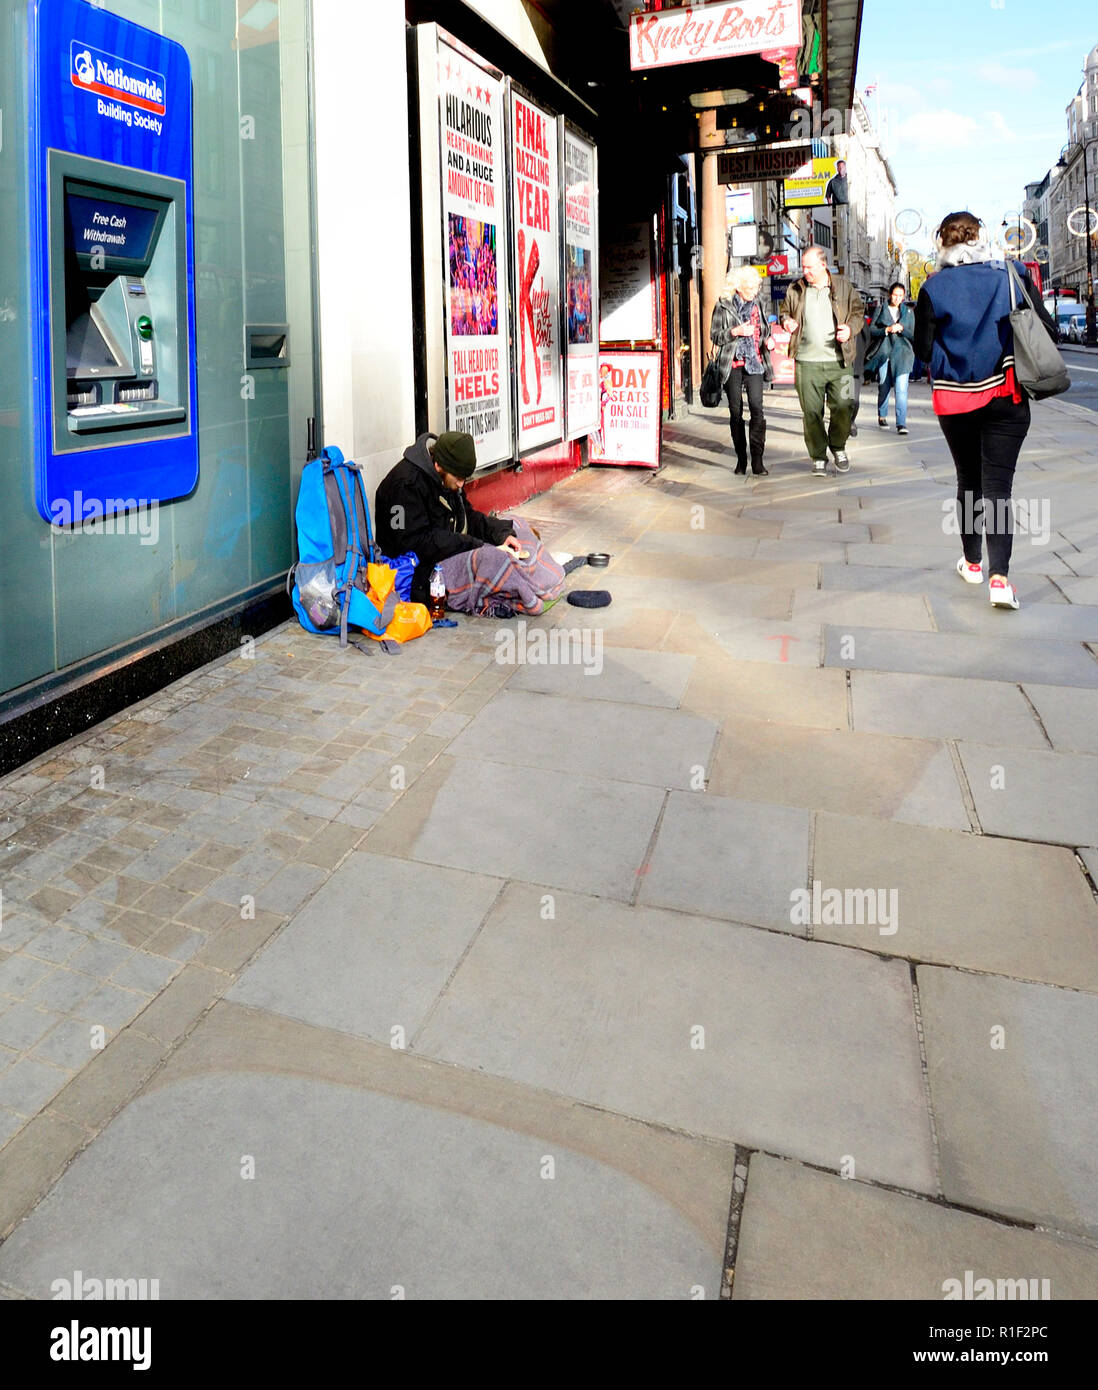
891 354
742 337
962 329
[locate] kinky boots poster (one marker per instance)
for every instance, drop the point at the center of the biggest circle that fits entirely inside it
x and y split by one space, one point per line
474 198
536 202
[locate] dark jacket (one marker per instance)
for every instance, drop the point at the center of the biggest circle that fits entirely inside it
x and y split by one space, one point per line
413 511
846 306
962 324
730 311
897 348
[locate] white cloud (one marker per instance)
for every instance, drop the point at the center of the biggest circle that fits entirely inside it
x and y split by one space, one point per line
937 130
1015 80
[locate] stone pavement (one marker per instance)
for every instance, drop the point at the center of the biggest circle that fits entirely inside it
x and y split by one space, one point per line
519 971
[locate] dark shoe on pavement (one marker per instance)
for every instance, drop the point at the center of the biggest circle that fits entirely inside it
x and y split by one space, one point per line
842 463
901 429
819 468
761 472
853 431
882 422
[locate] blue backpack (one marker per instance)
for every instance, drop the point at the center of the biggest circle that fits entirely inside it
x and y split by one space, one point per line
335 542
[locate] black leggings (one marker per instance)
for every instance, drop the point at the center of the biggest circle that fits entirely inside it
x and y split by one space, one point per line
985 444
738 378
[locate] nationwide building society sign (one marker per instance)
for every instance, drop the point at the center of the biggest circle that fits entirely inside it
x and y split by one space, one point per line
701 32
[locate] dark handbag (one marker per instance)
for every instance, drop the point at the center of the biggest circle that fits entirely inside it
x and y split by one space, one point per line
712 387
1038 366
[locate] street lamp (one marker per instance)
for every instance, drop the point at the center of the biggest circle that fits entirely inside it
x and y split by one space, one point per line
1092 339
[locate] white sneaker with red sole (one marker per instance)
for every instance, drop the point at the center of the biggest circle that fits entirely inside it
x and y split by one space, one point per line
1002 593
971 574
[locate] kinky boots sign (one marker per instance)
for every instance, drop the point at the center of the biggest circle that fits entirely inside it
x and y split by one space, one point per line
697 33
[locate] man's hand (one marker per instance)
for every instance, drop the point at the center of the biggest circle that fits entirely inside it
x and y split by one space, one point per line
790 325
842 333
770 344
513 544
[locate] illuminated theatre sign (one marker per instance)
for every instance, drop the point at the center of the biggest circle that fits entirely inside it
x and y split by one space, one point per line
697 33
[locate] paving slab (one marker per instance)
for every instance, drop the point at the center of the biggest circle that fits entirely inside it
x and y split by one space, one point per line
716 545
1032 588
395 1197
807 1049
798 548
372 949
1003 906
1015 1096
809 1235
1071 622
1035 560
723 688
1080 590
735 860
1033 794
497 820
836 770
948 707
1070 717
623 675
1004 658
773 640
593 739
863 609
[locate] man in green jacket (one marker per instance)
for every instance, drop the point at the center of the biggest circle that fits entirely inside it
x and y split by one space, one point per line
823 313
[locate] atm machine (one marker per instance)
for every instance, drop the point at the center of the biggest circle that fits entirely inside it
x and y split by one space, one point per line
112 264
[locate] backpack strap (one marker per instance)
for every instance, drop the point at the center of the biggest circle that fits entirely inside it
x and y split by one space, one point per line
331 462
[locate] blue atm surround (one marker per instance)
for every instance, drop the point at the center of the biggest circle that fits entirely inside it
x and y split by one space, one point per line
112 264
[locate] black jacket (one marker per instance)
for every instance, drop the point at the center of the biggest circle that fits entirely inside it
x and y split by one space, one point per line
413 511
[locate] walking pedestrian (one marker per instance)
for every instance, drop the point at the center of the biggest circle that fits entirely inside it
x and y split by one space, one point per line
742 338
823 313
962 329
892 354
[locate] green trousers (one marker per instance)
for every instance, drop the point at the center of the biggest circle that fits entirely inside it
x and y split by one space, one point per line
817 383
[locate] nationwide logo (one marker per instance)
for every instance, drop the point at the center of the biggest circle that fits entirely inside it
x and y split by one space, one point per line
109 76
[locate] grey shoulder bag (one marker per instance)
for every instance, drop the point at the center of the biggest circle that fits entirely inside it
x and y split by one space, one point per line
1037 362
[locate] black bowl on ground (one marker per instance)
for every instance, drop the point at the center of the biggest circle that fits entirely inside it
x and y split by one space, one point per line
598 559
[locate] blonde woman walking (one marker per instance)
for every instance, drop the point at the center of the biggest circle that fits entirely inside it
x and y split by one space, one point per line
742 338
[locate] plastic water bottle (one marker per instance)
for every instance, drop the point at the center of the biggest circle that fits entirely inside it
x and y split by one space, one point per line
437 607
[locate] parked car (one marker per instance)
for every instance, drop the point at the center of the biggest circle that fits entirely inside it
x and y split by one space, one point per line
1076 331
1064 314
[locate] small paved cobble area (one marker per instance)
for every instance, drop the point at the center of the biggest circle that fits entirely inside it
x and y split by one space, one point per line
737 940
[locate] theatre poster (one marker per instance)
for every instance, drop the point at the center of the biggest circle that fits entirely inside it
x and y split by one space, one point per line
581 284
535 192
629 409
472 129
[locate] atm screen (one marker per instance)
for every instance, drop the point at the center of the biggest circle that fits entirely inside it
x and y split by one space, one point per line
124 230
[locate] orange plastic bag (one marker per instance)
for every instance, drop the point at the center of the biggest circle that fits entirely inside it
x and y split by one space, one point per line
409 620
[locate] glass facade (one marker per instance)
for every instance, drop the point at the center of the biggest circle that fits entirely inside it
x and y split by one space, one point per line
68 597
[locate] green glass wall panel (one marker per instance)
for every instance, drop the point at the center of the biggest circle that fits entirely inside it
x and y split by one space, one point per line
26 557
70 596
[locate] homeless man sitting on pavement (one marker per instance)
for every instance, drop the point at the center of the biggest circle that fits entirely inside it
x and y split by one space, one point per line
493 567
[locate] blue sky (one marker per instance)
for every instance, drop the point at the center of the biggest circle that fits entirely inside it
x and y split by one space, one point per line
974 96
